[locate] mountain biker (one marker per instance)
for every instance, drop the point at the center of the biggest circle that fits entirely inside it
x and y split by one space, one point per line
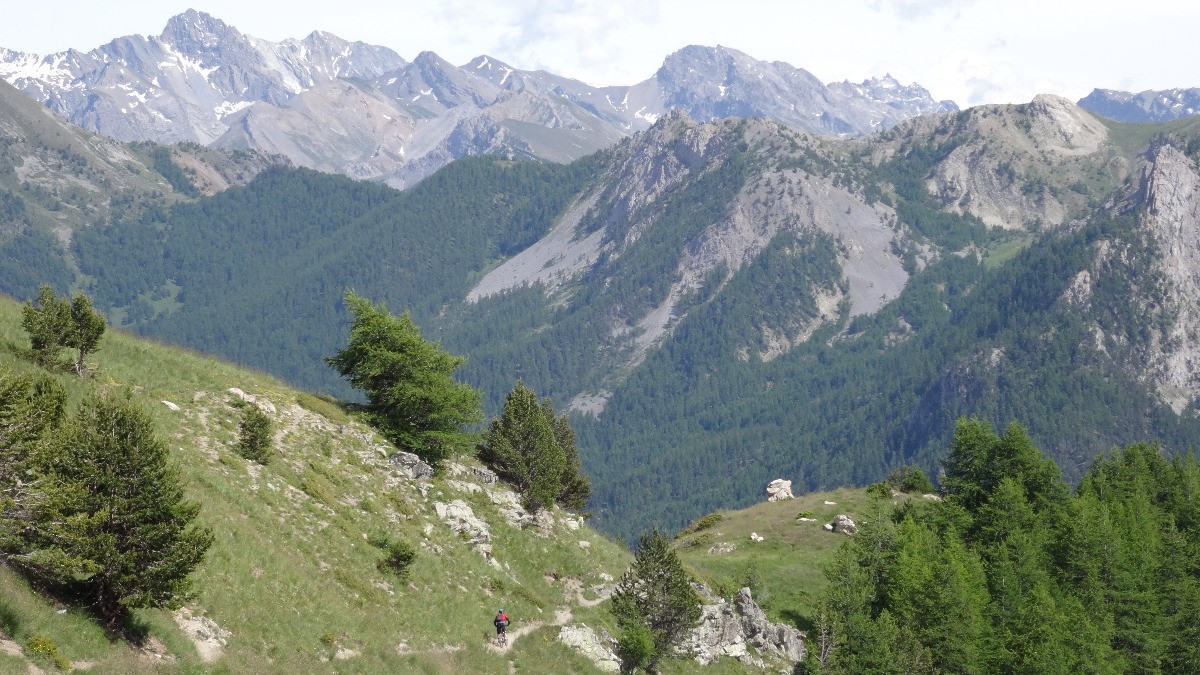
501 622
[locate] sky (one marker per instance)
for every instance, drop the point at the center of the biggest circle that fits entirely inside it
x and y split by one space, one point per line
969 51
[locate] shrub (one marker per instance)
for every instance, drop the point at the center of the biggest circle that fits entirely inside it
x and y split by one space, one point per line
702 523
254 442
910 479
44 646
399 559
635 647
751 578
881 490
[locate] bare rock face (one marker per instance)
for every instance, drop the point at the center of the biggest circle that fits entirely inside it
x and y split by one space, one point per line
779 489
742 631
1165 284
1173 193
1061 127
778 639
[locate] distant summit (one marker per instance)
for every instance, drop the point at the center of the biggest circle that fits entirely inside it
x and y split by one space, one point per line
1148 106
363 111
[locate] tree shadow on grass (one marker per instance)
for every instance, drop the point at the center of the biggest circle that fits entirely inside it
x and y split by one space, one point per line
128 627
800 621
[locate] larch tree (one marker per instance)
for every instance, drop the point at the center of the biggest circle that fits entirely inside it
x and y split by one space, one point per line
412 397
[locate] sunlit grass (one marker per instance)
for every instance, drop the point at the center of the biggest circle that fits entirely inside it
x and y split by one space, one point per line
291 574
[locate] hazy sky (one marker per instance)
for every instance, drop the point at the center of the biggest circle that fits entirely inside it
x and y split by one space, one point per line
970 51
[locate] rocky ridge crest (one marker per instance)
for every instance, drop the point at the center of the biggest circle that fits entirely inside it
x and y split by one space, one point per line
362 110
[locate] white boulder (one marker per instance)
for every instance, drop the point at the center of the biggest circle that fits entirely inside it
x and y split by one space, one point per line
779 489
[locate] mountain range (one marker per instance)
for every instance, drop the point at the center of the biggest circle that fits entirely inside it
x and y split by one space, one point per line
720 300
363 111
1147 106
721 303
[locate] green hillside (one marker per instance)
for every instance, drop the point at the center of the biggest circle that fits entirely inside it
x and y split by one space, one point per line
1006 569
293 574
762 367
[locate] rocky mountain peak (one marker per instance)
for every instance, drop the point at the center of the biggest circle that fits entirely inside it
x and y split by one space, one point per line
194 32
202 80
496 71
1062 127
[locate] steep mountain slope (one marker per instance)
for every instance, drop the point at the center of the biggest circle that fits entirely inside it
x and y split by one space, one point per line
1017 339
731 300
56 178
1146 106
364 112
292 582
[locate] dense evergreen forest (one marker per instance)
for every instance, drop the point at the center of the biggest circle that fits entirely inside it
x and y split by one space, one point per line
256 274
855 402
1013 572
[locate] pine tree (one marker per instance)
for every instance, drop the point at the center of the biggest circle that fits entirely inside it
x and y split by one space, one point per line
54 323
47 322
254 435
85 329
655 593
535 451
412 397
576 488
112 526
30 407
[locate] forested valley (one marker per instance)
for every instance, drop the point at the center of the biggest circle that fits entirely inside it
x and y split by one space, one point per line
256 274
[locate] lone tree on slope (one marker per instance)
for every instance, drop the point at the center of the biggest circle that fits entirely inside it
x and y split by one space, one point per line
54 323
535 451
110 524
655 595
412 397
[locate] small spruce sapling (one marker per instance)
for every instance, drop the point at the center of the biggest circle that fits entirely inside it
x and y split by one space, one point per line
254 442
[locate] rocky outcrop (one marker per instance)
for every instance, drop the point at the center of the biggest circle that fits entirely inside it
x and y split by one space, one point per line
411 465
1015 167
842 524
585 641
460 518
210 639
742 631
1163 275
779 489
265 405
1173 221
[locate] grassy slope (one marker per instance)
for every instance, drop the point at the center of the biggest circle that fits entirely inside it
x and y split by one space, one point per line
791 558
291 575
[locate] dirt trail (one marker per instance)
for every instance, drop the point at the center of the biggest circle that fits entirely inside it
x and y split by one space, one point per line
561 616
